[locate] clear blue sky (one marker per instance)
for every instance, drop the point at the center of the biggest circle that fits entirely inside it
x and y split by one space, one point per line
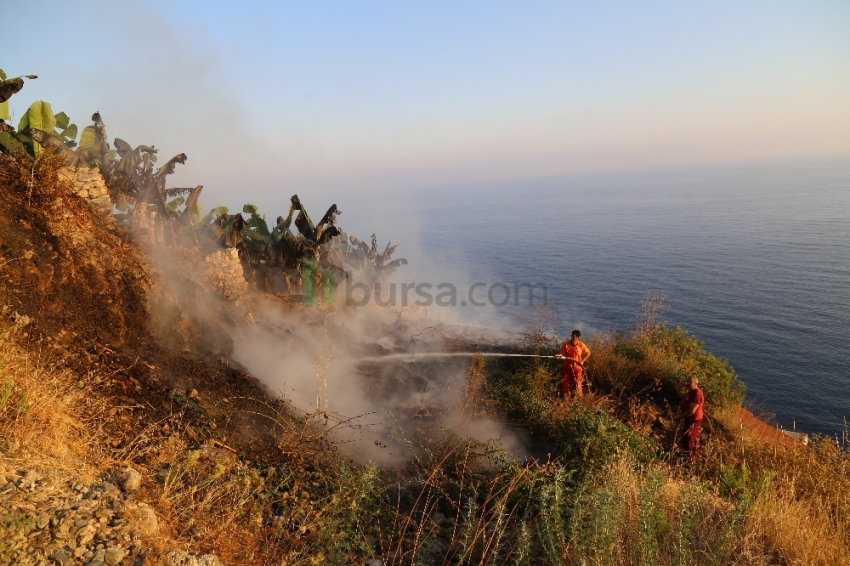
275 96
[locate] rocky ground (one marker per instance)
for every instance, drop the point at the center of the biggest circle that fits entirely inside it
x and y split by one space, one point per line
55 519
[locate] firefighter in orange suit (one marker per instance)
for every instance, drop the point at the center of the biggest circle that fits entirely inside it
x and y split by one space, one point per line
574 352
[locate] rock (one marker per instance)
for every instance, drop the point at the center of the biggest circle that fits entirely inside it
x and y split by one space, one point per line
95 563
374 562
114 555
147 521
224 273
86 537
61 558
131 480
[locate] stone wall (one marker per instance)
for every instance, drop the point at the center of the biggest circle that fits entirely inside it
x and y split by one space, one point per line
224 273
89 184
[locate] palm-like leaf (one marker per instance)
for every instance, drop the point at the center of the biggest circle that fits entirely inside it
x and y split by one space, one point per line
373 265
9 87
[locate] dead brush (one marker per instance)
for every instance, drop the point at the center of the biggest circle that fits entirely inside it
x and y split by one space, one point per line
803 514
37 184
484 505
316 435
46 418
476 400
206 495
613 371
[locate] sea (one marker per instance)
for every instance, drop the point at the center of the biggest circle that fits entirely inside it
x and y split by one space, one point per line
753 259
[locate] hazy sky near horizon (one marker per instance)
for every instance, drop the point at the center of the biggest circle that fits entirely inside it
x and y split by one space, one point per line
293 97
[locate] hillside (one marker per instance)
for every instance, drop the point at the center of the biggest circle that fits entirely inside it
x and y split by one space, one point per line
129 432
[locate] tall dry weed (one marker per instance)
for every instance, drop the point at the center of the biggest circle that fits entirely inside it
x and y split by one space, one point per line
801 515
45 414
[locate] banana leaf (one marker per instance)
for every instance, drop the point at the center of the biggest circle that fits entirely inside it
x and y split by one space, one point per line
176 192
388 251
131 158
62 121
170 166
359 244
122 147
302 221
9 87
88 139
305 227
259 224
194 213
10 143
284 223
173 205
396 263
38 116
256 236
327 234
100 128
330 216
70 132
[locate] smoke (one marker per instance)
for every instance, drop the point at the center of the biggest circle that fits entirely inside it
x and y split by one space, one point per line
323 361
315 359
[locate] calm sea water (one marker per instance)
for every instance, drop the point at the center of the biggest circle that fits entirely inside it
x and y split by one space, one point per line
753 260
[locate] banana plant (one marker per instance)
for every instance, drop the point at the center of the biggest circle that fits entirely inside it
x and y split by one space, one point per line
263 246
129 172
374 266
312 244
40 129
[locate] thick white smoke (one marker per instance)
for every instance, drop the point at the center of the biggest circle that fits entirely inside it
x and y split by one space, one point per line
315 360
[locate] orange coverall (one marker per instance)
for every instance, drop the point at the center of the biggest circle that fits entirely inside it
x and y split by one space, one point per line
572 374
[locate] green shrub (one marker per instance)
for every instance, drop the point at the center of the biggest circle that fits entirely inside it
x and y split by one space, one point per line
589 439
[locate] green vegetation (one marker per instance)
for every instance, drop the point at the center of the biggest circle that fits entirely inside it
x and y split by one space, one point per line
608 487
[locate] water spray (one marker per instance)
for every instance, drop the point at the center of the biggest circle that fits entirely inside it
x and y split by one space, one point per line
411 357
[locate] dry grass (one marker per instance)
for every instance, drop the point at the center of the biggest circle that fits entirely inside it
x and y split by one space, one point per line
204 496
802 515
789 531
46 415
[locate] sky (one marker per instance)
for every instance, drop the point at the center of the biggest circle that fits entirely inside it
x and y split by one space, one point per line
272 98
